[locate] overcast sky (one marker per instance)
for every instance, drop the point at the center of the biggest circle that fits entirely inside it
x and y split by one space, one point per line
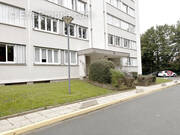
157 12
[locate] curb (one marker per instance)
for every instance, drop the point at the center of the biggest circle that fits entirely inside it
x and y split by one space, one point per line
76 113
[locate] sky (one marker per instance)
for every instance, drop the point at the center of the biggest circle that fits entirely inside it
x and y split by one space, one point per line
158 12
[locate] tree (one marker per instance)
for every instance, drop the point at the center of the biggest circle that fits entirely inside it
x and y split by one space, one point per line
157 48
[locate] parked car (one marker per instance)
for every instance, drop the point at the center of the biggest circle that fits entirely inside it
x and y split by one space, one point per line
167 73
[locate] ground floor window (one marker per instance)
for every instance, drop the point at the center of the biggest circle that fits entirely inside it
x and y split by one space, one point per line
129 61
10 53
47 56
73 57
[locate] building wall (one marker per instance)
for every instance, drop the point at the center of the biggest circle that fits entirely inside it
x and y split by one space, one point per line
11 73
30 37
101 29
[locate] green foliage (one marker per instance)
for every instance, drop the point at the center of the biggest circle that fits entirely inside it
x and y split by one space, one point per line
122 81
134 75
20 98
116 75
161 49
99 71
146 80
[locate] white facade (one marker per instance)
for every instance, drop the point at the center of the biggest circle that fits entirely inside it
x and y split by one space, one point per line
33 43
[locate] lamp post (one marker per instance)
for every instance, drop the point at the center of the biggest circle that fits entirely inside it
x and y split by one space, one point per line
68 20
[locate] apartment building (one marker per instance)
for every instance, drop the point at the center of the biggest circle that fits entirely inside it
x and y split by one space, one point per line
33 38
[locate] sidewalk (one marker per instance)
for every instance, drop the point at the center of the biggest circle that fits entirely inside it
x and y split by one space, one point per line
10 125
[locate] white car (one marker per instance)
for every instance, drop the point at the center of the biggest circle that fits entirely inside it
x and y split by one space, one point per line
167 73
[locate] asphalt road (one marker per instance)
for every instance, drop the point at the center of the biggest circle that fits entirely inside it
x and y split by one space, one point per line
154 114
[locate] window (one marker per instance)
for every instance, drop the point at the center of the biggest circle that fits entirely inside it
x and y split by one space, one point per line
56 56
55 26
2 53
117 41
77 5
124 8
50 57
131 12
82 32
66 57
73 57
121 42
121 24
10 53
126 43
81 7
119 4
110 39
130 61
12 15
49 24
45 23
131 28
69 4
110 19
36 20
37 54
71 30
124 25
46 56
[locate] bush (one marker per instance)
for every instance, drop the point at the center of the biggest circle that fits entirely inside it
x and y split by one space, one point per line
121 81
115 78
146 80
99 71
135 75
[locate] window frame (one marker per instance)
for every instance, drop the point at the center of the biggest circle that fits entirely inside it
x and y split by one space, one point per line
46 18
75 29
109 39
81 28
10 15
66 63
47 56
14 56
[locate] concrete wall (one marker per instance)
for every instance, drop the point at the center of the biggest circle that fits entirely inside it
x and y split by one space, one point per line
30 37
98 24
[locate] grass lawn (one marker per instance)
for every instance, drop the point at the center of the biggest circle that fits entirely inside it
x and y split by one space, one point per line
162 80
21 98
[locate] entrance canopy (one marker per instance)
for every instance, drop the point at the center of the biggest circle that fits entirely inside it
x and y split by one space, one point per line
108 53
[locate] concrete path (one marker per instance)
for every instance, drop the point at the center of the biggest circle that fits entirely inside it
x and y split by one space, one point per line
32 118
154 114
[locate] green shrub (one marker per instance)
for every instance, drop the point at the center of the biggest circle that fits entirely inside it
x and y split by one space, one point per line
129 82
135 75
99 71
115 78
146 80
122 80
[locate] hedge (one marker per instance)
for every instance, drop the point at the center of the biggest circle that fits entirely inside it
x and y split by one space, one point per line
146 80
122 80
99 71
